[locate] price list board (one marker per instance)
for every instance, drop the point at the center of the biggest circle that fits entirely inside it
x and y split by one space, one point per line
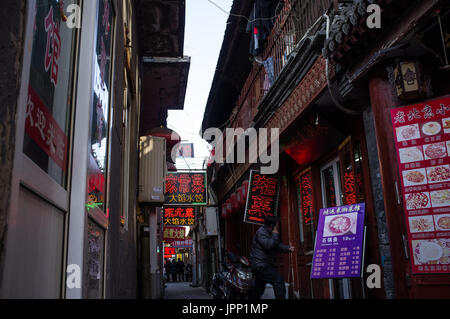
422 139
339 245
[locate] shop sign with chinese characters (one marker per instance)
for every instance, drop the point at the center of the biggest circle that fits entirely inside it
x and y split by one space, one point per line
339 242
186 244
179 215
44 130
262 199
422 139
185 188
171 234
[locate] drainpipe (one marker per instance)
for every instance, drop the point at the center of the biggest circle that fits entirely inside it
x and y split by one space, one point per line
327 75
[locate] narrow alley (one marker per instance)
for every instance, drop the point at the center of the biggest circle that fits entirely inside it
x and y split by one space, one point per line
184 290
225 149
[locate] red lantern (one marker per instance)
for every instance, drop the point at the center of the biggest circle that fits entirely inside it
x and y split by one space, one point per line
234 202
239 196
224 210
229 207
211 156
244 190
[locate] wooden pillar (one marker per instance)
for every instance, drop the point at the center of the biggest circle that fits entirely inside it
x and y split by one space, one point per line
382 100
289 224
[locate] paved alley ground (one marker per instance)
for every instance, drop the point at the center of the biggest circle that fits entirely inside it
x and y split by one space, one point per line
183 290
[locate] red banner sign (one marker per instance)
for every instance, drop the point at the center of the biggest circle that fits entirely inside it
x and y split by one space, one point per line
422 135
44 130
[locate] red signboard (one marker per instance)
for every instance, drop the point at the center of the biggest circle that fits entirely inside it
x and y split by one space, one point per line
169 252
185 188
179 215
422 136
262 197
44 130
306 197
171 234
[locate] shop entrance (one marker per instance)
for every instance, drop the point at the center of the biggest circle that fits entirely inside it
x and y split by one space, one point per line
332 196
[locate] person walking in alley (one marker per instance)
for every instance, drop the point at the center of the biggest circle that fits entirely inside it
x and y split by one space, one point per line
180 270
265 247
173 270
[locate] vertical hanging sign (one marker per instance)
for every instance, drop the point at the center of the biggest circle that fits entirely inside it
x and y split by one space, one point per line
422 139
262 199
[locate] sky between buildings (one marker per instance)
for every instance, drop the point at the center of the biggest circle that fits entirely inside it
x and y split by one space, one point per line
204 32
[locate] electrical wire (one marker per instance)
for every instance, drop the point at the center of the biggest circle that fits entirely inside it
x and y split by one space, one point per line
241 16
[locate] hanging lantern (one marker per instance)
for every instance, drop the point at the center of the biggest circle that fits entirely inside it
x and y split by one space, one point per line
408 80
172 138
244 190
229 207
240 196
234 202
224 210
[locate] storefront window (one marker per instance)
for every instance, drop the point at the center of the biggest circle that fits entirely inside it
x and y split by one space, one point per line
50 89
100 113
329 185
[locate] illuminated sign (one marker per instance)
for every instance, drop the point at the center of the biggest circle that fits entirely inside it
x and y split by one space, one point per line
179 215
169 252
306 197
185 188
262 197
173 233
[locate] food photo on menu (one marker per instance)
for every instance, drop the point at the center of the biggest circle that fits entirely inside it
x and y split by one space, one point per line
408 132
435 150
411 154
442 222
417 200
415 177
431 128
431 251
420 224
344 224
438 174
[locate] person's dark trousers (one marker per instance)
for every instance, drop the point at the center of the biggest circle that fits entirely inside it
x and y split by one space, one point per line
174 277
268 274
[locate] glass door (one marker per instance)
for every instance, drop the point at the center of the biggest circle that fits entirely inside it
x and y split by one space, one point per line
35 244
332 196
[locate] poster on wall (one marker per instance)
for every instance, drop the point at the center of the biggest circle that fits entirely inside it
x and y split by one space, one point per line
262 199
339 248
422 139
185 188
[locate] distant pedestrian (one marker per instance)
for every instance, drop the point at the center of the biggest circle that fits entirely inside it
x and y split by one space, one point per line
166 270
266 245
180 269
173 270
188 272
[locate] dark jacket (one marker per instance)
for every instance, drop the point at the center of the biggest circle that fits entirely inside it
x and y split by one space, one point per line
265 247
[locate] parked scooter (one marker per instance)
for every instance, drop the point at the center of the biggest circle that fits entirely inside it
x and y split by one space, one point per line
236 281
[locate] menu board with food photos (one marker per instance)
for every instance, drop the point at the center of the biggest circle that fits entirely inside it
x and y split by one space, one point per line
422 138
339 248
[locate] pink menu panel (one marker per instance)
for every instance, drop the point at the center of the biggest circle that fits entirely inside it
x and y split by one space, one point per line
422 139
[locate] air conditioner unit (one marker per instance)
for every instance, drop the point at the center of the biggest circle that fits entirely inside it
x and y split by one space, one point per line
211 221
152 169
